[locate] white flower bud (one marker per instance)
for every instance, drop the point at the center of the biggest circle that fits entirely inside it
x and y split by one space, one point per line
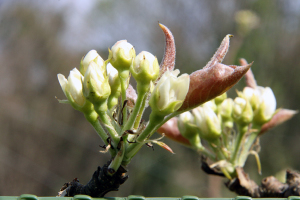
91 56
169 92
262 101
242 111
121 55
95 84
207 122
225 108
72 87
267 106
115 85
145 68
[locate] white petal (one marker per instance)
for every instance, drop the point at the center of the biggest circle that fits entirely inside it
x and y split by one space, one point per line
90 56
63 82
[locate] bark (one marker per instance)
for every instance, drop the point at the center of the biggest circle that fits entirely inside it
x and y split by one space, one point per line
270 187
100 183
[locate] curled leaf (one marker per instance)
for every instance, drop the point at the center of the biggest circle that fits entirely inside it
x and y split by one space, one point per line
210 82
163 145
278 118
168 61
250 80
220 53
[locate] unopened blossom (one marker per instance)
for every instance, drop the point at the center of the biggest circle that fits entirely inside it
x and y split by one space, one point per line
91 56
121 55
263 102
95 85
115 85
207 122
225 108
189 130
72 87
267 106
169 92
242 112
113 77
145 68
225 112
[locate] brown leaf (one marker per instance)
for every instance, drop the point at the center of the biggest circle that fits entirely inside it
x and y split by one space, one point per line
168 61
220 53
171 131
279 117
163 145
250 80
210 82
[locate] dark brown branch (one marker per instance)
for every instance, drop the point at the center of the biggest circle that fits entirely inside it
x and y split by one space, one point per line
269 187
100 183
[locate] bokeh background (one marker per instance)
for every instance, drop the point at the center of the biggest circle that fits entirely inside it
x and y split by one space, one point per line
44 144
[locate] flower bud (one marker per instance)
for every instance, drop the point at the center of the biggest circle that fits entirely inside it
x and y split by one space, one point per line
225 112
145 68
115 85
169 92
267 106
121 55
188 129
252 95
242 111
211 104
263 103
220 99
95 84
92 55
186 125
72 87
225 109
207 122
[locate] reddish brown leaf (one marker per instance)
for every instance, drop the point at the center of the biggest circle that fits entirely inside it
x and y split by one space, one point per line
210 82
171 131
250 80
168 61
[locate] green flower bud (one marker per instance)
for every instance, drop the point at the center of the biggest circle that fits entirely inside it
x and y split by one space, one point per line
211 104
169 92
145 68
221 98
242 111
189 130
225 109
121 55
225 112
186 125
91 56
115 85
207 122
95 84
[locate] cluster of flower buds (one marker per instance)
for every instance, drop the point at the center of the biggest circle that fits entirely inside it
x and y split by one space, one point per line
100 89
253 112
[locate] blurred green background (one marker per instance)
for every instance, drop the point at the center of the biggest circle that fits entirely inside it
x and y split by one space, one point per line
44 144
